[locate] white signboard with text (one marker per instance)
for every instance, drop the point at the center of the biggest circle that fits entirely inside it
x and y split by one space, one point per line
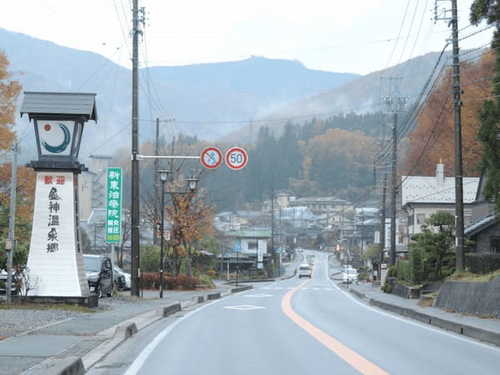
55 262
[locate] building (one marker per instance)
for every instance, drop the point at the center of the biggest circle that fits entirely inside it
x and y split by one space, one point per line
422 196
249 242
322 205
484 229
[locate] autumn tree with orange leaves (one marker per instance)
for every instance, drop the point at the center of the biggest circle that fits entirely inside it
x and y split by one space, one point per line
9 91
192 220
432 139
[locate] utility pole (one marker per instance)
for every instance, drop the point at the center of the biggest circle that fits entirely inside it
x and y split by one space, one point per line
457 117
273 251
396 105
382 228
10 246
135 211
394 183
156 178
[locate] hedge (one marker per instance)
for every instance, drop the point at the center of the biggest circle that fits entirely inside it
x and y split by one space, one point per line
482 262
151 280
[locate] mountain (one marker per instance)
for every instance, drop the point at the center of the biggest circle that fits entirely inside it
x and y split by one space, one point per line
361 95
194 95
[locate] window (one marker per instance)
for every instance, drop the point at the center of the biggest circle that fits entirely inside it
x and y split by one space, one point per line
410 219
252 244
495 245
420 219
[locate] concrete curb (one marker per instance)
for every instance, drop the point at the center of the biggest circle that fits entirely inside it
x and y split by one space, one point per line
146 319
57 366
241 289
480 334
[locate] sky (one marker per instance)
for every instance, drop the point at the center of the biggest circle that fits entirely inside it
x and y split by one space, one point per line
343 36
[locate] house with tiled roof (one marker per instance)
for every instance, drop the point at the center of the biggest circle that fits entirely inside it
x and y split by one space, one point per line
484 228
422 196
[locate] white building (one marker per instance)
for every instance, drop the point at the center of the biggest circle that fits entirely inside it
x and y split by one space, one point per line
422 196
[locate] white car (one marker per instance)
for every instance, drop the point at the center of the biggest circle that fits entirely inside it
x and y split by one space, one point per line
305 270
350 275
126 278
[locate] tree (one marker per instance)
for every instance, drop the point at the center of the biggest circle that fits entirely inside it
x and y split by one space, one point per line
429 143
8 94
432 255
489 10
25 189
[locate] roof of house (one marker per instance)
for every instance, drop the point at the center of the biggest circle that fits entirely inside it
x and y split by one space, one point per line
64 103
424 189
480 225
256 233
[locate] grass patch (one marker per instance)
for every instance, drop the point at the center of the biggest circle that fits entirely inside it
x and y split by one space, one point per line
41 306
474 277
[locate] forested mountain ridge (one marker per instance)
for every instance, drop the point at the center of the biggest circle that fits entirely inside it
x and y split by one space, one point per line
212 94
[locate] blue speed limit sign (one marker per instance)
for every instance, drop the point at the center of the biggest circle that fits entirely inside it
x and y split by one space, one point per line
236 158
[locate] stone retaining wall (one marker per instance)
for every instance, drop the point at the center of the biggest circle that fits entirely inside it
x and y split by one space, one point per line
477 298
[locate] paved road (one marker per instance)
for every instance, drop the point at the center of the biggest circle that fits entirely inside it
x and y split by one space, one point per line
297 327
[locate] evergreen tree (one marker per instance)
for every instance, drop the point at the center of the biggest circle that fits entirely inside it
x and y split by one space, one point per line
489 10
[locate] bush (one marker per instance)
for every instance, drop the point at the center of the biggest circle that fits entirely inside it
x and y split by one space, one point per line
151 280
150 258
403 270
482 263
416 265
206 281
392 271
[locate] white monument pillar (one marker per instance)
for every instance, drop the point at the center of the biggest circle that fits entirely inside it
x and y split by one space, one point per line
55 259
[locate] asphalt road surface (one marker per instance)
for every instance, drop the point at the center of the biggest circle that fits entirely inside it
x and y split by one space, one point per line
297 327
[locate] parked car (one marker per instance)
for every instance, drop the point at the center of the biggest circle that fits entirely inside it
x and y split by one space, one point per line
305 270
99 272
122 279
349 275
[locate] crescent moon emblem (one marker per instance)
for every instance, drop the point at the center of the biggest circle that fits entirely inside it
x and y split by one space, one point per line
59 148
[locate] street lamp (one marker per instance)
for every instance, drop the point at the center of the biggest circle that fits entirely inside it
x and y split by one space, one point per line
192 183
163 178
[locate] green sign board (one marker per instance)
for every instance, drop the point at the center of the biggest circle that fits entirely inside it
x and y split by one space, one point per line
113 205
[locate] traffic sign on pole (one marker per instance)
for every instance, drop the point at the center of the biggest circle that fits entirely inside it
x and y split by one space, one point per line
114 205
211 157
236 158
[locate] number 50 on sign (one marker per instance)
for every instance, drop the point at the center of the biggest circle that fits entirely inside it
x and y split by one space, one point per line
236 158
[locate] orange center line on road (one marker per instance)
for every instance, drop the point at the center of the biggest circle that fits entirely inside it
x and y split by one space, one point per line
355 360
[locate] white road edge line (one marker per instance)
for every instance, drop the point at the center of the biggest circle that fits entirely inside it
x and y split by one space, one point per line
408 321
137 364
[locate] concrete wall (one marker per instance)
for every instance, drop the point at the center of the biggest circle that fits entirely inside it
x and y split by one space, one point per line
482 299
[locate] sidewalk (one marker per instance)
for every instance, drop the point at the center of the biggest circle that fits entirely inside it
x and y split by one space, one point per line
487 330
81 332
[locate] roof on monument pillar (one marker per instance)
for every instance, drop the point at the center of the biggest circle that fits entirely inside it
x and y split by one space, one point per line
59 103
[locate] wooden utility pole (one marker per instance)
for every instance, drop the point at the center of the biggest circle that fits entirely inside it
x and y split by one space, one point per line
457 118
156 182
394 183
10 246
135 211
382 228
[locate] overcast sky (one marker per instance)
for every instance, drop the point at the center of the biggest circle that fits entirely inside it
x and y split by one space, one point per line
343 36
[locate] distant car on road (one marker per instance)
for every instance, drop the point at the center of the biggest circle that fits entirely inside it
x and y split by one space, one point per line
305 270
122 278
99 272
349 275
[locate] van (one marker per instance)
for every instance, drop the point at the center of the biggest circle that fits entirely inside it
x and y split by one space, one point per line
305 270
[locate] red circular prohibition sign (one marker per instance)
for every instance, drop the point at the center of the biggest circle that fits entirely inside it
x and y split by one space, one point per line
236 158
215 162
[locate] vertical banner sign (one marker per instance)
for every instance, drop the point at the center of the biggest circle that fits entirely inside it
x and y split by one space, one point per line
114 205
